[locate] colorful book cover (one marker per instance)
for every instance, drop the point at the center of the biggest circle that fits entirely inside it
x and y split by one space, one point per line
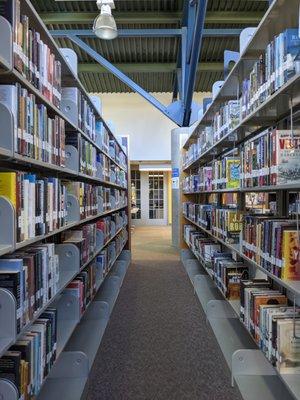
291 255
8 186
288 346
287 166
233 173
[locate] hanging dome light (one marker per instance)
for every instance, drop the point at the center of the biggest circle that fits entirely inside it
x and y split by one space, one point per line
105 26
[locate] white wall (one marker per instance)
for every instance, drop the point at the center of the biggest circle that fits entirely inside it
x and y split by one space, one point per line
148 128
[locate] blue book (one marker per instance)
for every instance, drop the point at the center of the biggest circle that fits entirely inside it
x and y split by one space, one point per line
291 53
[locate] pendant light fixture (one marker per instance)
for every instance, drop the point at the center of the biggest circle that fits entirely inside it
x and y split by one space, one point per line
105 25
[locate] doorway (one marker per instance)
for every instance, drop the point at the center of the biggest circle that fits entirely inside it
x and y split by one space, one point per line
150 197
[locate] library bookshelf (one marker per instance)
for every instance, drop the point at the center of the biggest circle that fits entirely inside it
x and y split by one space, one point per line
70 151
243 120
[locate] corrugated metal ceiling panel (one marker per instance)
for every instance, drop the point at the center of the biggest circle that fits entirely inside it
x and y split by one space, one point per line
147 50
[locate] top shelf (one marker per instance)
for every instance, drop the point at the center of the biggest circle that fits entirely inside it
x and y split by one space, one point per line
69 79
276 20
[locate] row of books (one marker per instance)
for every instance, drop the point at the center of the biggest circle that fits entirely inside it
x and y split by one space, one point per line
275 66
85 237
40 203
274 244
87 153
226 273
265 312
203 143
274 324
86 195
223 174
32 276
226 119
36 135
224 223
108 171
86 116
42 138
109 145
111 198
111 224
271 158
87 282
32 57
30 359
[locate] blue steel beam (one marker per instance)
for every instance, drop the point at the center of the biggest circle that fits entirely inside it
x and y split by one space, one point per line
147 32
125 79
194 59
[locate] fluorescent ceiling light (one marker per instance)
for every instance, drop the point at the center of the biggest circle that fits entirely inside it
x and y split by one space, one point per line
105 26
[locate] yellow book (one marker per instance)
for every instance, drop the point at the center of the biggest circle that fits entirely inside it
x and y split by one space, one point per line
290 255
8 186
233 173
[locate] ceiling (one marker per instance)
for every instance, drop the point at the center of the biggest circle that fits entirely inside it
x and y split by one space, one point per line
150 62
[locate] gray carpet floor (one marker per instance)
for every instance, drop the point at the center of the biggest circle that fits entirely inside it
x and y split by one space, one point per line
157 345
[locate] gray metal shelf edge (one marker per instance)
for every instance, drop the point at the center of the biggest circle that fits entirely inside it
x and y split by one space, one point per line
18 159
28 242
290 187
288 381
261 37
293 286
65 284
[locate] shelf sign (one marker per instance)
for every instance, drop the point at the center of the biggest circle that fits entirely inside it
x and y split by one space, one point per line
175 178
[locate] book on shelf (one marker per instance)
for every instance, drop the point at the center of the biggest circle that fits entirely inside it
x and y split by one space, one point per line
86 195
32 277
273 244
86 114
47 208
36 135
32 57
84 238
29 360
273 323
285 156
226 119
276 66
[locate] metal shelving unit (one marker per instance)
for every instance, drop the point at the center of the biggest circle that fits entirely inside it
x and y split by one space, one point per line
69 374
247 363
251 371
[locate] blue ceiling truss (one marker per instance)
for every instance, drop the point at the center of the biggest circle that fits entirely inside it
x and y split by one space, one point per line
182 110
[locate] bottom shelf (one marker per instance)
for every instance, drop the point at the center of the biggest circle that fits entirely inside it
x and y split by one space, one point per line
78 338
255 377
71 371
